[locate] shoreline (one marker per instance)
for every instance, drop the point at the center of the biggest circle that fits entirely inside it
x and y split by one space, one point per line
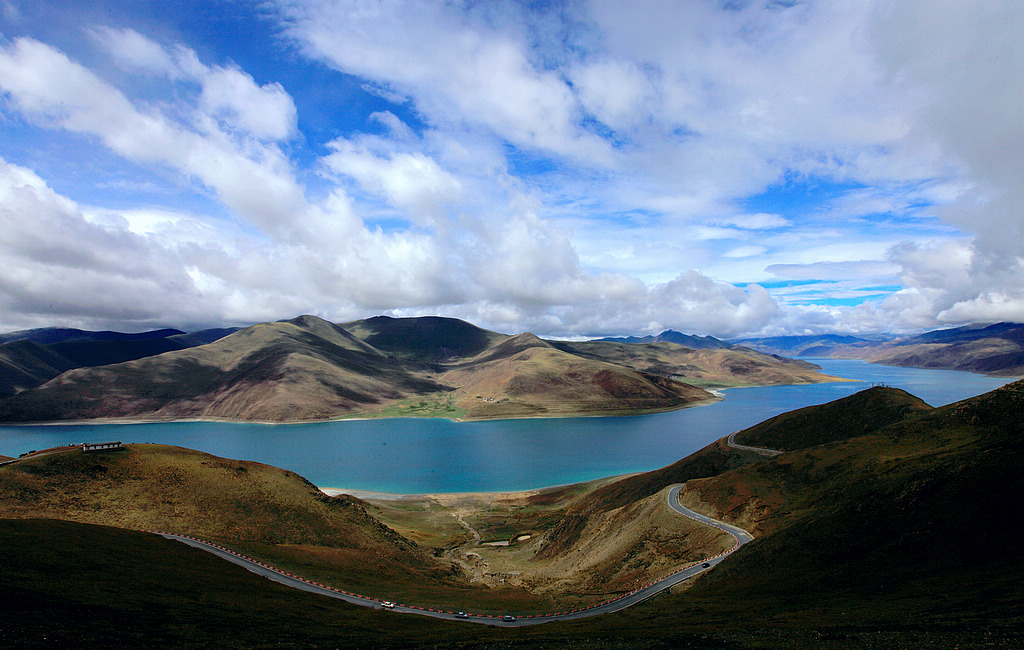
375 495
342 418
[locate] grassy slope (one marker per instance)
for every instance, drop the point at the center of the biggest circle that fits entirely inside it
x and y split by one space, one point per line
856 415
612 550
278 516
245 504
906 525
69 585
893 539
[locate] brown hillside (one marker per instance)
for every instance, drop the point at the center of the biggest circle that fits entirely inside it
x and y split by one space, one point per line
25 364
1001 356
524 376
705 367
298 370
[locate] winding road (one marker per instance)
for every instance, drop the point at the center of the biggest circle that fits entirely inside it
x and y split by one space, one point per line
757 450
622 602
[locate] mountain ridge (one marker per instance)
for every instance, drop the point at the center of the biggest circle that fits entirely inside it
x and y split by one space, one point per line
307 368
994 349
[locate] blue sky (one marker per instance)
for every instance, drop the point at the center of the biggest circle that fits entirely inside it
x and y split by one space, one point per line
572 169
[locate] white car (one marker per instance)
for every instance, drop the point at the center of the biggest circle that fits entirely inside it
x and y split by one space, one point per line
387 604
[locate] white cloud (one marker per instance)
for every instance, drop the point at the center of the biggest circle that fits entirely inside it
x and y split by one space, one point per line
745 251
228 94
872 270
564 170
757 221
250 177
616 92
459 74
411 181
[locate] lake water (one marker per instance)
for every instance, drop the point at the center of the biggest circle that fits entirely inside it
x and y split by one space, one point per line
430 455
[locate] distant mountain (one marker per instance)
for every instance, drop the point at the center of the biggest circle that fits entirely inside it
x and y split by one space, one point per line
202 337
48 335
995 349
30 358
709 367
25 364
297 370
526 376
671 336
308 368
427 338
816 345
1010 331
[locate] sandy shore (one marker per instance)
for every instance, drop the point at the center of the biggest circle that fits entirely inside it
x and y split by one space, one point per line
447 498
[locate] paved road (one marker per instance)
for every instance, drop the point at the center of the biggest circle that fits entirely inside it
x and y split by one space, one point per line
617 604
757 450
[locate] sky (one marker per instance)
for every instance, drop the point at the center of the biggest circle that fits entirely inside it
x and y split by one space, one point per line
572 169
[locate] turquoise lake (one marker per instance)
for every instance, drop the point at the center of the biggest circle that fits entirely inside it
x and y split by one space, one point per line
428 455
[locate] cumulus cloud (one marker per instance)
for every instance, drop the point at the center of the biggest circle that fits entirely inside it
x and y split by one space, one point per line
252 178
478 75
411 181
56 263
596 168
228 94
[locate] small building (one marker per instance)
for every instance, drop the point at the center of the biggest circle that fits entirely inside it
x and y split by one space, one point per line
102 446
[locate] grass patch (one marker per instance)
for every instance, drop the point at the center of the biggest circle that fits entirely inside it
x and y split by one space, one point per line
429 406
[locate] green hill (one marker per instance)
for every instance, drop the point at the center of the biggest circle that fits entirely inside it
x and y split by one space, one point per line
244 504
907 524
859 414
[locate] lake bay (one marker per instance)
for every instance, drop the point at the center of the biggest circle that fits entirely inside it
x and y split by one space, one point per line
431 455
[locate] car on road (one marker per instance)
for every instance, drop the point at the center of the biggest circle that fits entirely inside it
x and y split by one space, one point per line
508 617
462 615
705 565
387 604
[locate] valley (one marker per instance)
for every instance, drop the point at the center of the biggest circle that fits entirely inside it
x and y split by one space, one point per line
878 492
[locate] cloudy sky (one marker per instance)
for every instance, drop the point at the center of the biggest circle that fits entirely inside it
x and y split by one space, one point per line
567 168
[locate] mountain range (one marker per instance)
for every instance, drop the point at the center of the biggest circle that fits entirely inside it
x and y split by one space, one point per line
307 368
994 349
